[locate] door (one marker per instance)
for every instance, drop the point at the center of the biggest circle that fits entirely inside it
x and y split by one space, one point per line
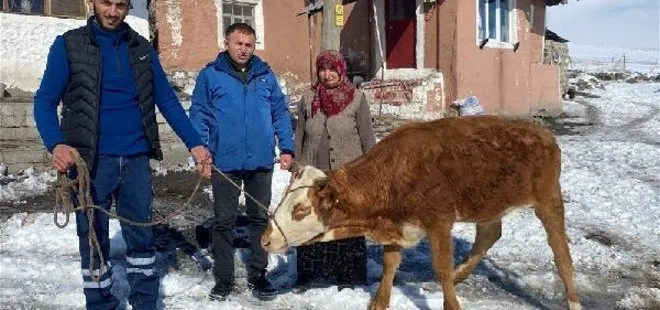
400 33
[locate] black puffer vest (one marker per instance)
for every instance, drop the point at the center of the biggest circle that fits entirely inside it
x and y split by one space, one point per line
81 101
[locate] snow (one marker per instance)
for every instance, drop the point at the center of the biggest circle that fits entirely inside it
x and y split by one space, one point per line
611 187
32 183
26 41
595 58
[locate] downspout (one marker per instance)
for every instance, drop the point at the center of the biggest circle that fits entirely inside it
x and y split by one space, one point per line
437 36
453 70
371 43
309 34
382 57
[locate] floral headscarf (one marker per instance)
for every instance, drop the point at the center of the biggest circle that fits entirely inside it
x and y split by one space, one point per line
332 100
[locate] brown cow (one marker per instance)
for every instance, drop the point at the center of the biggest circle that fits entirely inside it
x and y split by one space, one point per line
421 179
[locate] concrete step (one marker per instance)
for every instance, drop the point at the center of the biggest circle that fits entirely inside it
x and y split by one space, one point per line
22 154
20 108
19 133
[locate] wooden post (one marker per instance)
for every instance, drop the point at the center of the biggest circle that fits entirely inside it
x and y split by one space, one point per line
331 32
624 62
47 7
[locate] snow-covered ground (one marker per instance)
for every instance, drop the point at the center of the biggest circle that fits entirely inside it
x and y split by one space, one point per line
611 187
592 58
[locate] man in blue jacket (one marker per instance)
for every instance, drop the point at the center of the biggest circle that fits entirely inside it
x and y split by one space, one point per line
110 81
239 110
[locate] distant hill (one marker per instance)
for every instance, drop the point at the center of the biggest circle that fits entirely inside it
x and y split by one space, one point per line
591 58
593 53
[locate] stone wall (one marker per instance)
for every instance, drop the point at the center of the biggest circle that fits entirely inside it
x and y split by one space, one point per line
556 53
21 146
182 81
415 99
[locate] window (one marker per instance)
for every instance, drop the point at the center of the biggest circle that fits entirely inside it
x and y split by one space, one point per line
494 21
237 12
24 6
65 8
242 11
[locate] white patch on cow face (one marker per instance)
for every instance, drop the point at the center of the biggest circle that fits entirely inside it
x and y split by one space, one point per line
296 215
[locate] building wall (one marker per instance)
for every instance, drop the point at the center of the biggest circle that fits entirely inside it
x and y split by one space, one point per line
505 81
25 41
501 78
546 94
442 29
188 36
187 33
287 47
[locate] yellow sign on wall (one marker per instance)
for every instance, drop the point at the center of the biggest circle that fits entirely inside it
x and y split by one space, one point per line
339 15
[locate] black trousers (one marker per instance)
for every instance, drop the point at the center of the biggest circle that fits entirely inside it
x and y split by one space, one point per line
225 195
343 262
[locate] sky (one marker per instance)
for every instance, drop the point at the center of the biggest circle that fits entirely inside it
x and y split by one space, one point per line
631 24
611 190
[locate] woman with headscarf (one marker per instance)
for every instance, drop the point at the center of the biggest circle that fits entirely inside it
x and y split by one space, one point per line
333 127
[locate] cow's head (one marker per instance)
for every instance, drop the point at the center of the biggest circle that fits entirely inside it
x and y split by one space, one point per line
302 213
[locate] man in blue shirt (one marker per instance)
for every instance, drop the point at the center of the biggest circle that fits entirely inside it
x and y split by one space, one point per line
239 109
110 80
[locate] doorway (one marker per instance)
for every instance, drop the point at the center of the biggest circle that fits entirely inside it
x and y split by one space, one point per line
400 33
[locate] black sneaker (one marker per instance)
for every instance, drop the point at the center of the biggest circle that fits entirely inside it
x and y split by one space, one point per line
220 292
262 289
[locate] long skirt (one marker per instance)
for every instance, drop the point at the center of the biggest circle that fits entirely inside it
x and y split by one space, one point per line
341 262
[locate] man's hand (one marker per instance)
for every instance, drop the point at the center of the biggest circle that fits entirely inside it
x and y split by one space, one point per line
64 157
285 161
203 160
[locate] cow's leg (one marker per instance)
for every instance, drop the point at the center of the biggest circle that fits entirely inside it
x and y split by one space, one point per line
391 261
487 234
443 261
551 213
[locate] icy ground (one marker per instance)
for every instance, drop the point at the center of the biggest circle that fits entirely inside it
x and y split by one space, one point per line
611 185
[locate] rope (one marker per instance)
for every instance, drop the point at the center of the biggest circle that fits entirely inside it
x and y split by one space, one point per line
271 216
81 187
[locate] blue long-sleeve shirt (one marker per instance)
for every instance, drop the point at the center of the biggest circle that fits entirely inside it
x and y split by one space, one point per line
120 127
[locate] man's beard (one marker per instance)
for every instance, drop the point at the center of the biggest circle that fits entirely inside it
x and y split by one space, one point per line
98 18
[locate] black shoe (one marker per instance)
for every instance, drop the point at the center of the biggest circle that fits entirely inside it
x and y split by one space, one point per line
262 289
220 292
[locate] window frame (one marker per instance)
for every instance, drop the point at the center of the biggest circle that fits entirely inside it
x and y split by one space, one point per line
512 26
257 19
233 15
47 10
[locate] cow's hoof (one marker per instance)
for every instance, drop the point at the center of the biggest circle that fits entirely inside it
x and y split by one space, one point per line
451 306
376 305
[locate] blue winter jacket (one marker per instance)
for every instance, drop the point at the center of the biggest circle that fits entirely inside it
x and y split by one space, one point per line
239 120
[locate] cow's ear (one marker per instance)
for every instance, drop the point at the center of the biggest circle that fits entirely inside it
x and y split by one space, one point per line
295 167
326 196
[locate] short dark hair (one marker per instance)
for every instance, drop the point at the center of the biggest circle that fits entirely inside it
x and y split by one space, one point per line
240 27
